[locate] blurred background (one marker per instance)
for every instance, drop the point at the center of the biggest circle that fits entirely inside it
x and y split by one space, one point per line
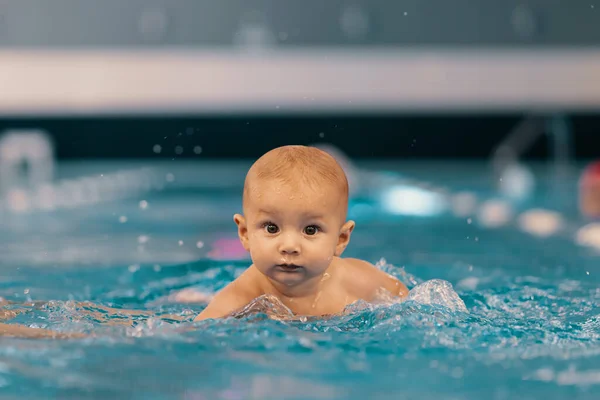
468 129
104 105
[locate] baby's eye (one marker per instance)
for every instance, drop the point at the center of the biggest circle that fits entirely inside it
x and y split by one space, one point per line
311 230
271 228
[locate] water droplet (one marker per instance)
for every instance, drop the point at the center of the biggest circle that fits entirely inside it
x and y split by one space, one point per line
197 150
143 204
405 13
170 177
143 239
314 304
181 242
199 244
122 219
178 150
157 148
469 221
587 272
322 134
133 268
26 291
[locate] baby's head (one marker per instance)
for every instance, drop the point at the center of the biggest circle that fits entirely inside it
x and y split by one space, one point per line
295 204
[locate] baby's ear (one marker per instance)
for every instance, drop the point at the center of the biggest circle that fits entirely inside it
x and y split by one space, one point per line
344 237
240 221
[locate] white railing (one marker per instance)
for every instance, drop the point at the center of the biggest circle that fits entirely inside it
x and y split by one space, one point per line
96 82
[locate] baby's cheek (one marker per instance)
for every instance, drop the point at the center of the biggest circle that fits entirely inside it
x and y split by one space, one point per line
256 239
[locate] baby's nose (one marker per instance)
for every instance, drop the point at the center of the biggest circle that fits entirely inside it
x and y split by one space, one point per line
289 244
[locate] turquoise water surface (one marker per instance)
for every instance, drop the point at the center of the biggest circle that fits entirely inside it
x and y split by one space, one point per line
493 313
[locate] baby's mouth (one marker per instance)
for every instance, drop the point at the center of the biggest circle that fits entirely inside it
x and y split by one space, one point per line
289 267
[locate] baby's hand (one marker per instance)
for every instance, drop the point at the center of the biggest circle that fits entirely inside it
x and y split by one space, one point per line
22 331
191 296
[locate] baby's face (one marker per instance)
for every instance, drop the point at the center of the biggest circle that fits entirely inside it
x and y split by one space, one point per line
293 230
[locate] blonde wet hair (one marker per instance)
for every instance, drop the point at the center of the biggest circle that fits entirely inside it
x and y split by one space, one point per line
296 164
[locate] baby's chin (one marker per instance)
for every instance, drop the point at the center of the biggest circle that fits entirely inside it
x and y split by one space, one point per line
288 277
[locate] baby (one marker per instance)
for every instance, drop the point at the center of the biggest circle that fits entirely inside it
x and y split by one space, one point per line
294 226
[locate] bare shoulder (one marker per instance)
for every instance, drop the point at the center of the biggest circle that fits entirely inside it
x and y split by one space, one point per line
232 297
367 279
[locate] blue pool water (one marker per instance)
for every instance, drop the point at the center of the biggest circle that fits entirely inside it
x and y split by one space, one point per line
531 328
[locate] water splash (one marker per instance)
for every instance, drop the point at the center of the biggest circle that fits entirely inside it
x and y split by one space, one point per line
434 292
439 292
408 279
268 305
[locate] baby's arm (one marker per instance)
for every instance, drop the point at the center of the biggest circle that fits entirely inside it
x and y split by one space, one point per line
234 296
16 330
392 284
